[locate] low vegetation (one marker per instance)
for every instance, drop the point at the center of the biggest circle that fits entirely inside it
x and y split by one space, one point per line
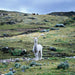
48 67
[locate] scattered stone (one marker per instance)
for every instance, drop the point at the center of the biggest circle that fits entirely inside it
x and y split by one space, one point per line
25 14
24 52
42 34
54 28
38 23
31 18
45 57
44 37
71 57
23 70
32 63
73 51
5 49
14 71
52 49
45 30
5 35
4 69
11 22
59 25
48 63
8 17
52 63
24 67
5 63
40 68
44 64
10 69
17 60
45 20
33 14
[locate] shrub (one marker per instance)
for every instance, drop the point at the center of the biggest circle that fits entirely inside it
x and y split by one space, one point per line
34 63
16 52
69 21
37 64
1 66
17 65
63 65
9 73
24 67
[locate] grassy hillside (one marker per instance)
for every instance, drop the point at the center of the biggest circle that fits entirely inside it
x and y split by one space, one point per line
16 25
62 39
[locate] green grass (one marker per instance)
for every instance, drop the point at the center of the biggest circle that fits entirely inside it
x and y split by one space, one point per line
62 40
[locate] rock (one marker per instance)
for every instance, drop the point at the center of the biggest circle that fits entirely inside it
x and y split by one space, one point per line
73 51
39 23
44 64
59 25
5 35
52 49
5 63
45 30
25 14
32 63
5 49
54 28
45 57
23 52
8 17
23 70
40 68
42 34
33 14
31 18
11 22
24 67
45 20
14 71
17 60
44 37
4 69
10 69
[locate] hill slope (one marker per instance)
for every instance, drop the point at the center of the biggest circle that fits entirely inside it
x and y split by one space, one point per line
15 24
